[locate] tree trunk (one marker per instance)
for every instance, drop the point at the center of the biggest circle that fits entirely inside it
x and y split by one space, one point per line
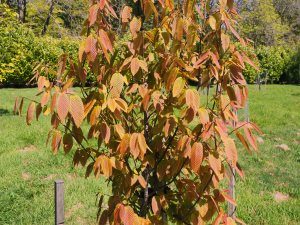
22 10
47 21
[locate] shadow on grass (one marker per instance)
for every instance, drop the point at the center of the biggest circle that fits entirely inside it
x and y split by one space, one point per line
4 112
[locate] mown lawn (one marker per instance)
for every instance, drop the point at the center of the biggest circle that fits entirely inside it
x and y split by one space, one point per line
270 194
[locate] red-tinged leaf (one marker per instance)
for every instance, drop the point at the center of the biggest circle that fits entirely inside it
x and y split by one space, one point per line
142 181
105 40
41 82
124 144
134 66
230 151
239 171
94 115
243 141
192 99
67 142
215 60
215 164
196 156
225 41
126 14
38 111
250 62
203 116
251 139
236 75
45 98
90 47
102 4
134 146
63 106
93 13
155 205
111 10
53 104
135 26
30 113
218 219
228 198
76 109
56 141
178 86
202 59
127 216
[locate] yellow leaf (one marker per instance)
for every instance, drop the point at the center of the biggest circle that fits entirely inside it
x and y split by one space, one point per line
178 86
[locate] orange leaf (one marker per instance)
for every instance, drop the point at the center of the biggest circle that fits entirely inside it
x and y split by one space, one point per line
105 40
192 99
155 204
134 148
103 164
135 26
124 144
105 132
230 150
56 140
94 115
76 109
63 105
225 41
134 66
196 156
45 98
126 14
30 113
93 12
142 181
116 85
142 145
215 164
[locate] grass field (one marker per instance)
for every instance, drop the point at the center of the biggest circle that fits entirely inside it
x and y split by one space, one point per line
269 195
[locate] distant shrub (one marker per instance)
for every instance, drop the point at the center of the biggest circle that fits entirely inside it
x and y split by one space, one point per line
291 74
277 64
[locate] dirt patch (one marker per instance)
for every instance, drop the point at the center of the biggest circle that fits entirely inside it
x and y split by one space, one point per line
73 209
260 140
281 197
71 176
50 177
27 149
283 147
26 176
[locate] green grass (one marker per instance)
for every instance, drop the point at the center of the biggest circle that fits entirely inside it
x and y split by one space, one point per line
28 168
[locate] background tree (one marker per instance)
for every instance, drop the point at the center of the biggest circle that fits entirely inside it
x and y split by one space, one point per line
262 23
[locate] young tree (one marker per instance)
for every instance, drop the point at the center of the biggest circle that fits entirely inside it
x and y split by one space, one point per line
162 145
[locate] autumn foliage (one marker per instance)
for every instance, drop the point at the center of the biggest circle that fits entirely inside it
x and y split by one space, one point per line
163 145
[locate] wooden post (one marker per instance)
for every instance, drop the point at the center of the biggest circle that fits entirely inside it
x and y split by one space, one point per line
59 202
231 207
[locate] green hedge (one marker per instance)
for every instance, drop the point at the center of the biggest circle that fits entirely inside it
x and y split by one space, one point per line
21 50
277 64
